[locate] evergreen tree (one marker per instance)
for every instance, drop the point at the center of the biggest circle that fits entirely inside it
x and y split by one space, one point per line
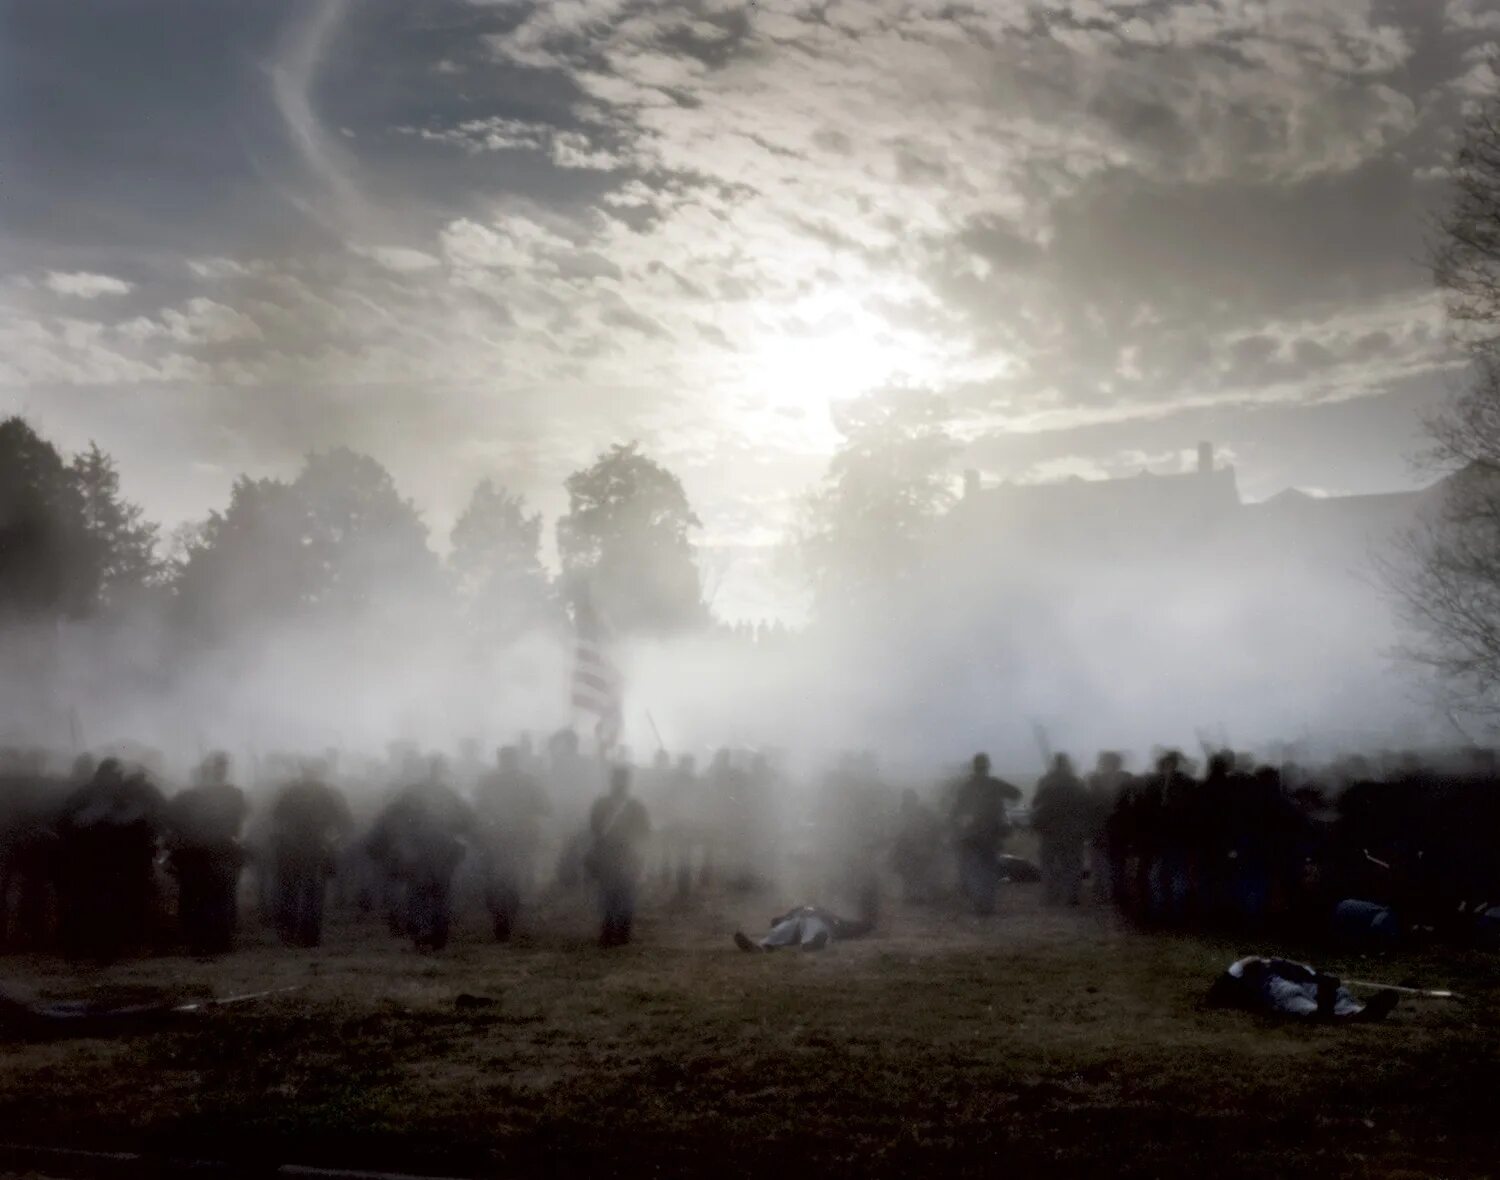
124 543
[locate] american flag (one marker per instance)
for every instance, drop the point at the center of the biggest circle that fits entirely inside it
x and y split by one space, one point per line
596 681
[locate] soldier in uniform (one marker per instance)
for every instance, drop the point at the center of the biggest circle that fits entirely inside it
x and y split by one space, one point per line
980 826
107 844
917 849
723 784
29 805
418 841
619 828
308 820
511 807
682 834
1105 861
1060 813
204 822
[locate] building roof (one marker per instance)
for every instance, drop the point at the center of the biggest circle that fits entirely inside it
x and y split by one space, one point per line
1186 510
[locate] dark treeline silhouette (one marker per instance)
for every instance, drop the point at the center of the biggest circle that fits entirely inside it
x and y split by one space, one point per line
339 539
70 545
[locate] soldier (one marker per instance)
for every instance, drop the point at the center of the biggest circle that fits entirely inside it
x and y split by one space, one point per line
752 820
107 843
510 806
205 822
1105 862
308 820
418 842
980 827
30 802
807 927
856 821
917 849
682 832
1060 813
1181 834
619 827
723 783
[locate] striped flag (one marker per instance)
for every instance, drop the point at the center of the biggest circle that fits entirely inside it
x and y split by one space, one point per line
596 681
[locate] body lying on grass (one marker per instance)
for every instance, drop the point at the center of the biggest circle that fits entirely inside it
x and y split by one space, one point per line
1280 987
807 926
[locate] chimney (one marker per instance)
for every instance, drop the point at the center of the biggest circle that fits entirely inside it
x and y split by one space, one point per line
971 483
1205 458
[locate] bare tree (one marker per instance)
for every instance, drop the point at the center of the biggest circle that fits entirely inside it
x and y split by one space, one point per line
1447 573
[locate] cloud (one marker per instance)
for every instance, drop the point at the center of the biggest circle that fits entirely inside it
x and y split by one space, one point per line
558 223
401 259
330 194
83 285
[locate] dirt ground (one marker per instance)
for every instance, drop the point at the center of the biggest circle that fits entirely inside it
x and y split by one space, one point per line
1031 1041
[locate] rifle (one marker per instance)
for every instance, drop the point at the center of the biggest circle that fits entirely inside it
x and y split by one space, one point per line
85 1018
200 1005
1430 993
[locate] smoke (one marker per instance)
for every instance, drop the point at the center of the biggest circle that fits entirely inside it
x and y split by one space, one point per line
1260 630
1260 633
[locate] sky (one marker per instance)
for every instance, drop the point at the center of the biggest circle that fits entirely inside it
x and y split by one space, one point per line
489 239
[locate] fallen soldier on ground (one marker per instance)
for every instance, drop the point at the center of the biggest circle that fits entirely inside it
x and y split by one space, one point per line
1280 987
807 926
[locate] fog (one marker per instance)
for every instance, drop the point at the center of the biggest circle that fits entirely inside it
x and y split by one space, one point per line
1254 637
1168 651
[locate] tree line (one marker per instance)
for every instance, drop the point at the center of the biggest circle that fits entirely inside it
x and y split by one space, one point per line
339 538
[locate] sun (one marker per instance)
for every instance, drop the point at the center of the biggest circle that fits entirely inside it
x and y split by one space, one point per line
823 349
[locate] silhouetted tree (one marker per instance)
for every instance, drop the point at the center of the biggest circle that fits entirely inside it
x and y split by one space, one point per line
124 543
496 561
625 541
1449 580
247 562
338 538
366 541
863 530
49 566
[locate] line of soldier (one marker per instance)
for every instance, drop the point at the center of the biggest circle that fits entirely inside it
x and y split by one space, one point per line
81 857
975 816
1348 850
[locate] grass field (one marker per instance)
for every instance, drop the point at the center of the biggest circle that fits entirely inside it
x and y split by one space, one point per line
1030 1043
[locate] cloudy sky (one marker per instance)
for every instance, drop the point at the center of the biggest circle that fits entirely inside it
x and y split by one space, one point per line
489 239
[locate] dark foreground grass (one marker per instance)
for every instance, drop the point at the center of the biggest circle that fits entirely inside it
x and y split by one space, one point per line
1032 1042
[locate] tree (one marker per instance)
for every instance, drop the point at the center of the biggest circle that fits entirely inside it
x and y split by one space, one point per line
625 543
364 539
496 561
863 531
1447 579
49 566
247 562
337 539
124 543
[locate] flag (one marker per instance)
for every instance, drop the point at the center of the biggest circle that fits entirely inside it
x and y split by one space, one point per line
596 682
